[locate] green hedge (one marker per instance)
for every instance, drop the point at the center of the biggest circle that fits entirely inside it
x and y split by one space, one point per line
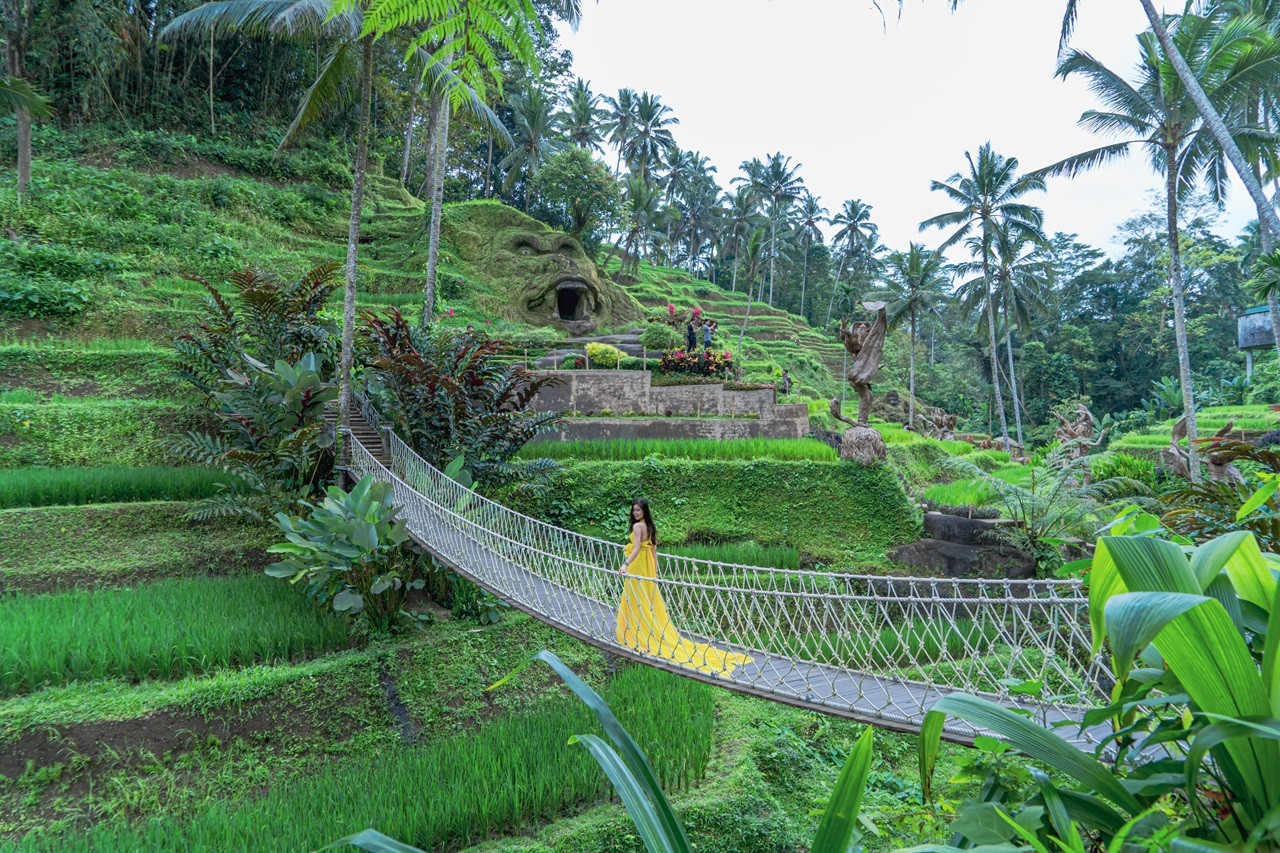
91 433
821 508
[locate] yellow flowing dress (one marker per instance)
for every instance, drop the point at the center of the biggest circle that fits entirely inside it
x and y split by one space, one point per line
643 623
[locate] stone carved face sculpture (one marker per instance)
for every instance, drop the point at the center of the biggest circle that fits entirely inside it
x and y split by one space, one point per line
535 275
560 282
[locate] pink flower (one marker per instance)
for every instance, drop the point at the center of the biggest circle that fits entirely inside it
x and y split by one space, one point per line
450 312
697 311
671 309
728 354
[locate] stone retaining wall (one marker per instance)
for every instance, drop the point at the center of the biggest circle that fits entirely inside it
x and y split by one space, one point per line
697 411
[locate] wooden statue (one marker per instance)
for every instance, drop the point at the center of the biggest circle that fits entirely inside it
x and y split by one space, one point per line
1177 460
865 342
1077 434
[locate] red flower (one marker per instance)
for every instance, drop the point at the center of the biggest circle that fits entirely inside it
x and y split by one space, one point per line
697 312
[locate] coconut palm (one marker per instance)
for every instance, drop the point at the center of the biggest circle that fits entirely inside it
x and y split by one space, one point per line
777 181
1200 99
1160 118
621 113
742 218
988 198
1020 278
855 231
642 208
536 138
582 118
650 134
754 257
914 288
810 216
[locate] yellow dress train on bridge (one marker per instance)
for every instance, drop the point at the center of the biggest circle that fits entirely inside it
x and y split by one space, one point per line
643 623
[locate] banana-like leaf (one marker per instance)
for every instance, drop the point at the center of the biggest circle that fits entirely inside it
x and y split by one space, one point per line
1249 571
1038 743
374 842
629 750
1135 618
840 818
1104 582
930 742
334 88
652 832
1056 809
1221 732
1271 657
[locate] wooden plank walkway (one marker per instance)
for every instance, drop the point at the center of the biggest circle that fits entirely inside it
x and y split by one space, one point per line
877 699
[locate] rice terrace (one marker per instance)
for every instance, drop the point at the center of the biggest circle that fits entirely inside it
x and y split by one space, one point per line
467 426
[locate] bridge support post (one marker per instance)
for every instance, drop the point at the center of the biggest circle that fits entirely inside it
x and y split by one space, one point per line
384 434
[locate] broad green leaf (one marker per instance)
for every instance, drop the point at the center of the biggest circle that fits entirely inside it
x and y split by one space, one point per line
1271 657
1104 582
1221 732
1043 745
1258 498
840 818
374 842
1250 573
1135 618
982 823
629 750
1056 810
638 807
930 742
1022 832
1211 557
1152 564
1207 654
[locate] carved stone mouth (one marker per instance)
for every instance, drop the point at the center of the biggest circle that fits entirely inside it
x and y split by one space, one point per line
571 284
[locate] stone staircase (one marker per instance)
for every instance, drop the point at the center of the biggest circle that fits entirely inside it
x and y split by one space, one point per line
960 547
362 431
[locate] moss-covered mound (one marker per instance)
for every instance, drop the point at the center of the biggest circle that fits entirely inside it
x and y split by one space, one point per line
838 513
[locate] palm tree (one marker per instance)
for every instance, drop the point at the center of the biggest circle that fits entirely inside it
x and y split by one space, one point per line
642 204
914 287
1160 117
650 133
988 198
535 139
778 181
18 97
1203 104
742 218
855 230
582 117
811 215
1021 277
621 114
755 255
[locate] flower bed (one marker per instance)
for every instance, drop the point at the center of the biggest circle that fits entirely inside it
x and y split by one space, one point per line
699 363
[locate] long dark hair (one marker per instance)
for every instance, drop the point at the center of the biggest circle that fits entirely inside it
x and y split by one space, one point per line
648 519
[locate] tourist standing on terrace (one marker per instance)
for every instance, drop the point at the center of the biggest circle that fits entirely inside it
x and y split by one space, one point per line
706 334
690 337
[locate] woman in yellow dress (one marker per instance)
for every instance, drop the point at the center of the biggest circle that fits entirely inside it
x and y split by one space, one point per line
643 623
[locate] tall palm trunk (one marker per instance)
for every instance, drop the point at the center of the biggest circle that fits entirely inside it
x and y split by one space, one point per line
408 133
773 238
1213 119
353 242
804 276
995 348
911 404
437 209
1013 384
1179 312
745 317
835 287
488 169
737 247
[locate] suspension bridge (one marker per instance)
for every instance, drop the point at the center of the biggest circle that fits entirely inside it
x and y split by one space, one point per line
880 650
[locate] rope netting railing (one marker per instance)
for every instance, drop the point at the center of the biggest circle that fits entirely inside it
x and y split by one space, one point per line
866 646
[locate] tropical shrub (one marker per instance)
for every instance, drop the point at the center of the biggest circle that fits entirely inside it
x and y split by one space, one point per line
447 396
272 439
701 363
603 355
659 337
41 295
266 319
1107 465
350 553
1211 508
1185 630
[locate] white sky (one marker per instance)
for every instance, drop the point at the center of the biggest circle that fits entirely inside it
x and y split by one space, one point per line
876 113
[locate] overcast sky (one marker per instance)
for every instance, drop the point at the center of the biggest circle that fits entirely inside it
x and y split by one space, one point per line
876 112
